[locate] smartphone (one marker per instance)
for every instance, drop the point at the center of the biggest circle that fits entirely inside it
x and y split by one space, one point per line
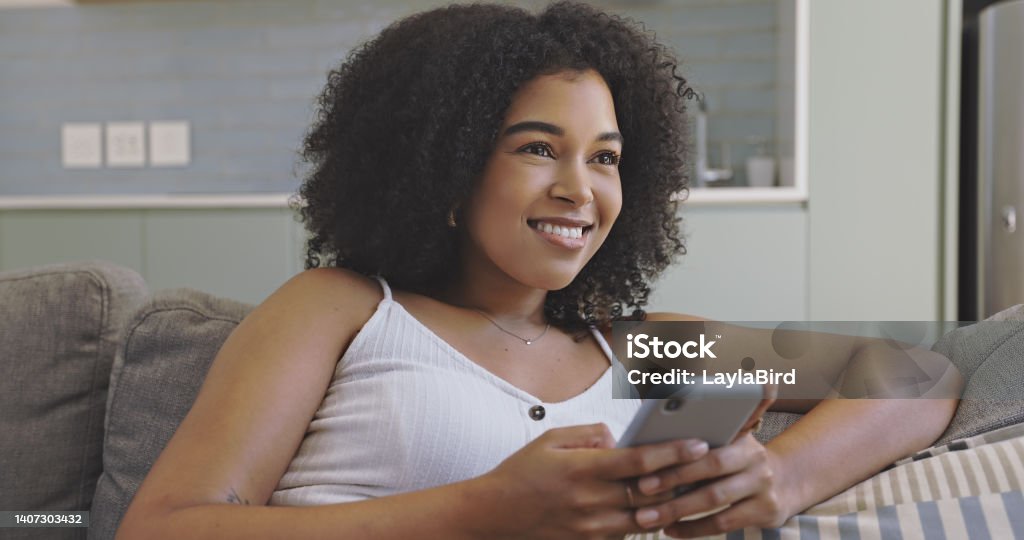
709 412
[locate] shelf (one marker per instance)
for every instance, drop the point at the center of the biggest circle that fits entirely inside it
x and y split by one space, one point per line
745 195
94 202
697 197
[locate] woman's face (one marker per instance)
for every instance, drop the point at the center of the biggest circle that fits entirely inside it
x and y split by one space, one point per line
550 190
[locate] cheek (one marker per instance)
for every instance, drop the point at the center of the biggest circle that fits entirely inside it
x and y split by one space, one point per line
501 208
494 212
611 204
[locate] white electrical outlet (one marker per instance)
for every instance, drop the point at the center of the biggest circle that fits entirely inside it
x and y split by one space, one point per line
80 146
169 144
126 144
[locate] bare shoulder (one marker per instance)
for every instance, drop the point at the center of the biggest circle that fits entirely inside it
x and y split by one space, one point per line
669 316
329 294
334 285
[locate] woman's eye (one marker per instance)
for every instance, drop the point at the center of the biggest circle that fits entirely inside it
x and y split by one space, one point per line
608 158
538 149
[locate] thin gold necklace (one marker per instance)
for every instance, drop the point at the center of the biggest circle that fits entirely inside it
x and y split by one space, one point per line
520 338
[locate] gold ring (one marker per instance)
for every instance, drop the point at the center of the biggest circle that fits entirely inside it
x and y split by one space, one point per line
629 496
757 425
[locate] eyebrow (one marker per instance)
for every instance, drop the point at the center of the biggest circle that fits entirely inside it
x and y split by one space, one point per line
544 127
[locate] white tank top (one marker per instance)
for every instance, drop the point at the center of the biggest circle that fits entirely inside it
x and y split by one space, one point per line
406 411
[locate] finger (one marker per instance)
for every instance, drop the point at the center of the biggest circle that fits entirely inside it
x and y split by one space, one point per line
625 463
615 522
587 436
640 500
718 462
744 514
591 496
606 523
711 497
755 417
771 391
634 499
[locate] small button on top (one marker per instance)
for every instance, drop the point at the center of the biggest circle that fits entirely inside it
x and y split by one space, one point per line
537 412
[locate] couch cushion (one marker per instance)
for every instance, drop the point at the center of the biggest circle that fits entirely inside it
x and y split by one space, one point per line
990 355
59 327
775 423
169 345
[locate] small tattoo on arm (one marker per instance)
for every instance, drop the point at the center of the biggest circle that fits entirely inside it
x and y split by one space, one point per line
235 499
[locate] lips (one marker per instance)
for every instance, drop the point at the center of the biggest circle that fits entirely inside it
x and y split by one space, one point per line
562 232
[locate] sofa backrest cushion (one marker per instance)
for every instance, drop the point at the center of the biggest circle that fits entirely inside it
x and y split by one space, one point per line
169 345
59 328
990 356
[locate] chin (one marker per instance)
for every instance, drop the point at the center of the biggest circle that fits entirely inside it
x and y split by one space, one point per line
560 285
554 280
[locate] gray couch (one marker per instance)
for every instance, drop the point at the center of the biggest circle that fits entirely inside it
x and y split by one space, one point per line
96 373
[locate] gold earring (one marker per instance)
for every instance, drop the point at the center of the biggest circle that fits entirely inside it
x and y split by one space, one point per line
451 218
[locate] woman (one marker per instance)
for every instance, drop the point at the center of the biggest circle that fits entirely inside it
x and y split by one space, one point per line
508 178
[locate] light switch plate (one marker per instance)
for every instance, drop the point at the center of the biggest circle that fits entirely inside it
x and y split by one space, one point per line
169 144
126 144
80 145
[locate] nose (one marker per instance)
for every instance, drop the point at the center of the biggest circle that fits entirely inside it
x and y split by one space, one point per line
573 184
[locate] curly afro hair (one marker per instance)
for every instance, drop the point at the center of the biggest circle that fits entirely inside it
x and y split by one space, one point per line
407 122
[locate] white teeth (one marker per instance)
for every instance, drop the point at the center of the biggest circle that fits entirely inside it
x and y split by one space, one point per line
567 232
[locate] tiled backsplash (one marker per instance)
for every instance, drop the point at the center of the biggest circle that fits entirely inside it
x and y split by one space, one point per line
244 74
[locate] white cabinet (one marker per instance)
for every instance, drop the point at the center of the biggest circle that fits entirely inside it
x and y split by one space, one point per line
743 263
239 253
875 160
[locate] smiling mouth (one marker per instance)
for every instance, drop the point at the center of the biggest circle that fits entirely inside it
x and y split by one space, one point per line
566 231
566 236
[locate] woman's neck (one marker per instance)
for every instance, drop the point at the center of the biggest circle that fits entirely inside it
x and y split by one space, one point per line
501 299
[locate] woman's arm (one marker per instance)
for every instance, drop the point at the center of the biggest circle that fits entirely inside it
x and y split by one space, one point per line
838 443
434 513
864 436
861 431
256 401
566 484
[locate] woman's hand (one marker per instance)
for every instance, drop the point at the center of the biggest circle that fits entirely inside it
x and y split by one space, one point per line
744 477
572 483
748 480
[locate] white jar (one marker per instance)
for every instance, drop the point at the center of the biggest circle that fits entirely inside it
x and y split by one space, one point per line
760 171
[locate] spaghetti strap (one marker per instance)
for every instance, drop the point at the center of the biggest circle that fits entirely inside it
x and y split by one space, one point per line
384 285
620 387
601 342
